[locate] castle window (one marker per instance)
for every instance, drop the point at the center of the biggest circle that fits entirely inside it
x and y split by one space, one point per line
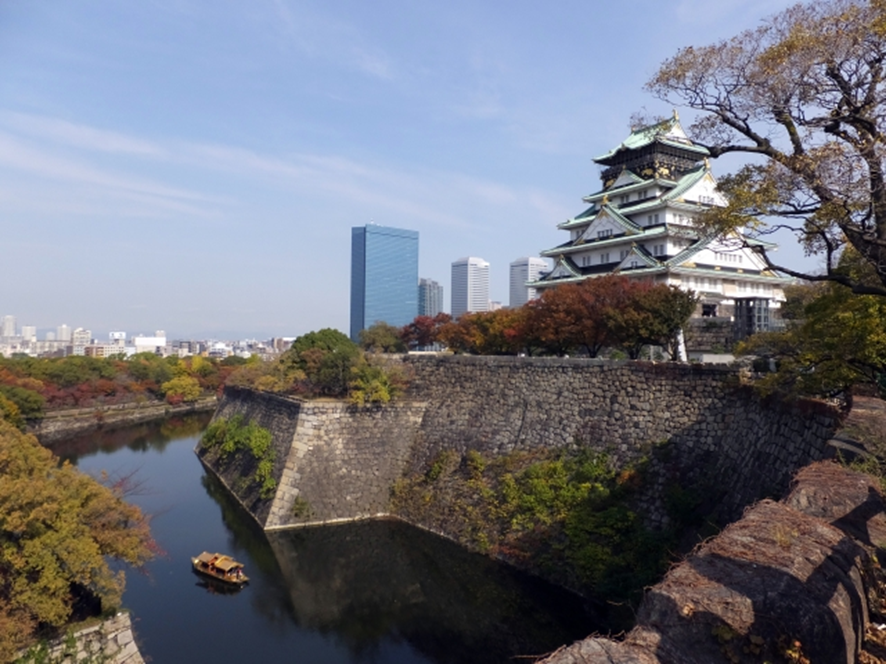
604 233
604 257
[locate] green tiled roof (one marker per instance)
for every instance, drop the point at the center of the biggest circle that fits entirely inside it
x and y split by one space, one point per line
582 220
659 132
629 188
641 235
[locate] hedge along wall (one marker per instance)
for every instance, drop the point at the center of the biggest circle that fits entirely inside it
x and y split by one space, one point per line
337 462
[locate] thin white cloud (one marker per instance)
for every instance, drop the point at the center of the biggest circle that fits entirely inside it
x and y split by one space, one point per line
429 197
340 43
77 135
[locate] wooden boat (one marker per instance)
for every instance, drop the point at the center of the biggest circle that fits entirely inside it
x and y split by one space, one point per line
220 567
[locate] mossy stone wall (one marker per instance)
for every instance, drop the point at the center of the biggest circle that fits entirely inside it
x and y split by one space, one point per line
338 462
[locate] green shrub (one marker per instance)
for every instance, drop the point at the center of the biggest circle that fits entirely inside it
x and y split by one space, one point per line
29 403
232 436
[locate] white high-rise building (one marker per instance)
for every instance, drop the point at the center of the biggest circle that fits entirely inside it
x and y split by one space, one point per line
63 333
29 333
8 329
81 337
470 286
528 268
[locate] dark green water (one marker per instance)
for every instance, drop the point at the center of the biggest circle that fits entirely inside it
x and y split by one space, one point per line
368 592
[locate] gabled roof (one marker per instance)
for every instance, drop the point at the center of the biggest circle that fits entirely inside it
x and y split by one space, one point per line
574 246
581 218
564 268
629 188
626 178
638 253
609 211
684 184
666 132
688 252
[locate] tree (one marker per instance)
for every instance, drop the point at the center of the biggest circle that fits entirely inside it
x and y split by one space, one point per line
841 342
595 298
423 331
834 339
670 308
804 94
325 357
553 319
181 388
59 528
382 338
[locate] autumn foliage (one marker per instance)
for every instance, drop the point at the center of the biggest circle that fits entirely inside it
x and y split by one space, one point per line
610 312
59 530
30 386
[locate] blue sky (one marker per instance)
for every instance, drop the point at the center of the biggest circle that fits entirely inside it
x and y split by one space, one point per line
196 165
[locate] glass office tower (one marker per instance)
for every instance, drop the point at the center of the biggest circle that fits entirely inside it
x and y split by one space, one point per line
384 272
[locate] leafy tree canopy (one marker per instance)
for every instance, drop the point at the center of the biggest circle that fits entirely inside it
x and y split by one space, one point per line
382 338
804 93
834 340
59 528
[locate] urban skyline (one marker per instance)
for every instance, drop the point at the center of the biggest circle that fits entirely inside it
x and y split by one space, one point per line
204 170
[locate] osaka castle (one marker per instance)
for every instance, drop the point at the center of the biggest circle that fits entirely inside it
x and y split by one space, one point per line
642 224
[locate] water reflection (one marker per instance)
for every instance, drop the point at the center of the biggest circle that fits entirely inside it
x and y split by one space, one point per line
365 592
372 581
142 437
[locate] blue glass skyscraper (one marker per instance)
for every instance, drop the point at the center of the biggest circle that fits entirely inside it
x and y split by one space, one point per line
384 276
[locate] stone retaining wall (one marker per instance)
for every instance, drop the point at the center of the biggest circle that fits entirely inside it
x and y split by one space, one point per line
57 425
337 462
111 639
717 431
795 581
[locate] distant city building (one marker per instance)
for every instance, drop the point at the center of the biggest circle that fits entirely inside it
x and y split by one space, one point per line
384 272
63 333
102 350
117 338
29 333
495 305
155 344
281 344
50 336
80 339
430 297
523 270
8 329
470 286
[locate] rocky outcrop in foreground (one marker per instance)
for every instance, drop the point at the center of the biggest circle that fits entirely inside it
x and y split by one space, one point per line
792 581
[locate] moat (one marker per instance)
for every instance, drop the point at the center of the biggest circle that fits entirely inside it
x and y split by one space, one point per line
378 591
